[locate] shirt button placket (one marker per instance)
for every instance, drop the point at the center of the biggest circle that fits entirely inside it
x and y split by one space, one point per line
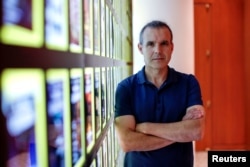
158 101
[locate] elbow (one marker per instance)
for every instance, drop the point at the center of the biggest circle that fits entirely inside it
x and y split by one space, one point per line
199 133
124 144
125 147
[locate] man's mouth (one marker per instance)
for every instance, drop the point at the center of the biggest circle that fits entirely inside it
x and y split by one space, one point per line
158 58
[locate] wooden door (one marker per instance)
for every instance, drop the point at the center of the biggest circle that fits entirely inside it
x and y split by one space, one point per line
247 67
219 67
202 13
229 124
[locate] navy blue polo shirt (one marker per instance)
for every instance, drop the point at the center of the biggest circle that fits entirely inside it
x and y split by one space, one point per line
138 97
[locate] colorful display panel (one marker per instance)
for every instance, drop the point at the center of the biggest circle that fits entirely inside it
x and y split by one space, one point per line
23 105
57 90
56 24
22 22
99 157
111 34
103 28
88 27
110 145
89 107
75 29
77 117
103 96
96 26
107 32
97 92
105 152
108 92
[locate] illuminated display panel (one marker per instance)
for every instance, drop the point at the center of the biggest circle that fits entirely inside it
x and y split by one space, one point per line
56 24
97 93
89 107
22 23
75 28
96 26
88 26
23 105
77 117
103 96
58 117
103 28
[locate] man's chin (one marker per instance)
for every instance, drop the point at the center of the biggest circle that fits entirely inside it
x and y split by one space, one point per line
159 67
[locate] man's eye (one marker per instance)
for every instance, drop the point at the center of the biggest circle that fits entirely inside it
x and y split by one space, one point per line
165 43
150 44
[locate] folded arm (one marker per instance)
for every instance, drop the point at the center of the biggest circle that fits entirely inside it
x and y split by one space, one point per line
189 129
131 140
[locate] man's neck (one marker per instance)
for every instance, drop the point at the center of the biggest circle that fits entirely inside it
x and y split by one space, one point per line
156 76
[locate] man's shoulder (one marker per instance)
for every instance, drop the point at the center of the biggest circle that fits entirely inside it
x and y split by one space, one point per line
130 80
134 79
181 75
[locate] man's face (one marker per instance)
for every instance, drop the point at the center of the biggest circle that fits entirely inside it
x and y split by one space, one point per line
157 47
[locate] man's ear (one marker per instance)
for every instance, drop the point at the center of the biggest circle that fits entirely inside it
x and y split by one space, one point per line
139 47
172 48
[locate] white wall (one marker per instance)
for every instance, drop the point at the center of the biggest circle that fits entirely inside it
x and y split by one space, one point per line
178 14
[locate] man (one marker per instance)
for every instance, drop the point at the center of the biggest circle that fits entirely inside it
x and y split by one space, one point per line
158 111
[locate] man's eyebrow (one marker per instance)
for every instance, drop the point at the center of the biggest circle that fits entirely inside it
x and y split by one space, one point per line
162 42
150 42
165 41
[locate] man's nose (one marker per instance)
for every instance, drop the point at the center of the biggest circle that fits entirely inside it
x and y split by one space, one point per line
157 49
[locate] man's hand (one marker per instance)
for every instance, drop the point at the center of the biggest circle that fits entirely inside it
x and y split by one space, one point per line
194 113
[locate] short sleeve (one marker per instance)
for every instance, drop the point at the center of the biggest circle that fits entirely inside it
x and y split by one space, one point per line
194 91
123 100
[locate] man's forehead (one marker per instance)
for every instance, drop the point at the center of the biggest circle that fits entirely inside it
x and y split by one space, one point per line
157 33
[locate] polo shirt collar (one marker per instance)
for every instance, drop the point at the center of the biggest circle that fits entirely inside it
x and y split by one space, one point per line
172 76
